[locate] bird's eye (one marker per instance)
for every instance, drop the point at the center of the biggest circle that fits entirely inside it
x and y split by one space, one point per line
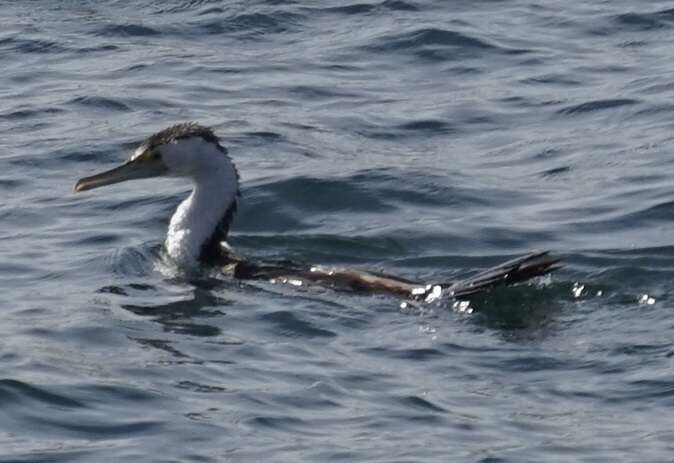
156 155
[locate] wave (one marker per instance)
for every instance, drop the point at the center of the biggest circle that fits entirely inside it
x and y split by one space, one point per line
598 105
437 44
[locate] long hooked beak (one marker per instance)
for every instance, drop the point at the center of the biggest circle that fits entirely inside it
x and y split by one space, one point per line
136 168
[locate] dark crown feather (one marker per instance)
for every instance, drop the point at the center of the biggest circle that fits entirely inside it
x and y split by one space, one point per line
183 130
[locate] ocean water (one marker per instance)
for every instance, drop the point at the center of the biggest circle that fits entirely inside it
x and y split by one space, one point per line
423 138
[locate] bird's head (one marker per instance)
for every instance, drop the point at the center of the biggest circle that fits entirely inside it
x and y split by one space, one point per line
184 150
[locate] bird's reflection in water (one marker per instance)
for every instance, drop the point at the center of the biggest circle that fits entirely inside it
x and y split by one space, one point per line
185 315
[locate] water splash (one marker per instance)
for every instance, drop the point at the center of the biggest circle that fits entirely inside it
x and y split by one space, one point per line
645 299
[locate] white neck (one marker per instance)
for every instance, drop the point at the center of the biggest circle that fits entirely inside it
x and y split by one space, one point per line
197 217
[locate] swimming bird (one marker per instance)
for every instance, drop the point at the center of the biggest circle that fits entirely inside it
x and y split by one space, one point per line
198 229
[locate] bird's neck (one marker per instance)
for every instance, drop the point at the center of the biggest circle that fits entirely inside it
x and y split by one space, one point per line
198 217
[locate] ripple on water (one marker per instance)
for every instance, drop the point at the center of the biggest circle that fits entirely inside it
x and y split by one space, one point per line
644 21
418 355
32 45
47 411
31 113
100 103
126 30
439 45
9 184
248 25
597 105
13 392
367 8
293 325
563 80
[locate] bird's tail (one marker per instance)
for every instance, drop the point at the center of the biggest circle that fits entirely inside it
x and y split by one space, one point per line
508 273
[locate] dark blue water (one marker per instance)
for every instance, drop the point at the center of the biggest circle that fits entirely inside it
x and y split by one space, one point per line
424 138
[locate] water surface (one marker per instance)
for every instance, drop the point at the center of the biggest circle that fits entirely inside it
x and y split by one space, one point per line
425 138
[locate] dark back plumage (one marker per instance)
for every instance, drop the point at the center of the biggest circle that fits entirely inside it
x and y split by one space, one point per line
211 250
